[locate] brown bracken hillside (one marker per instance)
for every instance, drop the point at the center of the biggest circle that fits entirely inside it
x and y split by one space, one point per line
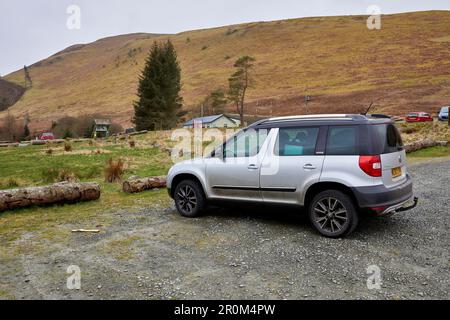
10 93
341 64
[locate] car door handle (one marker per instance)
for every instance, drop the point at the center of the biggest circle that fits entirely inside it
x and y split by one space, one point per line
309 167
253 167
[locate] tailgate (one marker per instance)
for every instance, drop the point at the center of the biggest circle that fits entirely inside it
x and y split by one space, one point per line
394 168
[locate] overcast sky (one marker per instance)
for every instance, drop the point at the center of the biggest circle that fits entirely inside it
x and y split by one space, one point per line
33 30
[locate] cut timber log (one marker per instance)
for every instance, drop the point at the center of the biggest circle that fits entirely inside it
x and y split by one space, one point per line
64 192
6 145
419 145
136 184
38 142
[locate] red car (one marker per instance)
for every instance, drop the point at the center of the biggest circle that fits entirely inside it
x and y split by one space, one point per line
418 117
46 136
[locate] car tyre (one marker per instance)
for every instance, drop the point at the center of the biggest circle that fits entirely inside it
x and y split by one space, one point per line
189 198
333 214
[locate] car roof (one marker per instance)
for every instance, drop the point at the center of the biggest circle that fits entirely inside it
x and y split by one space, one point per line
318 120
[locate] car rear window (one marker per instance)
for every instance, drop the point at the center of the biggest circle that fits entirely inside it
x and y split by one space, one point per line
387 139
342 140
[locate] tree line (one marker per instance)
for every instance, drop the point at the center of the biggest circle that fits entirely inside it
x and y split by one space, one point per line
12 129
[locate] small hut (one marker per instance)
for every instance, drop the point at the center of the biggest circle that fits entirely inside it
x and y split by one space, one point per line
101 128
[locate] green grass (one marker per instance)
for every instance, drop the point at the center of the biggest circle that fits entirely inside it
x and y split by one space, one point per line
31 166
434 152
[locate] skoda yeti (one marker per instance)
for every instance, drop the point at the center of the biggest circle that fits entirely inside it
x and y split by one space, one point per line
335 166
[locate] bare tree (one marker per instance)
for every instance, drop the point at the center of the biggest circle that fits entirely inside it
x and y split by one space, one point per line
10 131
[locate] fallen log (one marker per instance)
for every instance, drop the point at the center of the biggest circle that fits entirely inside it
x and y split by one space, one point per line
38 142
419 145
137 133
64 192
11 144
136 184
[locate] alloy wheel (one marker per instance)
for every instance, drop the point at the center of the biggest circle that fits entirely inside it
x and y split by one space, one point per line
187 199
330 215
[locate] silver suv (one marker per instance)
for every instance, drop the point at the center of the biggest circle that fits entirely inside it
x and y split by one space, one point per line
335 166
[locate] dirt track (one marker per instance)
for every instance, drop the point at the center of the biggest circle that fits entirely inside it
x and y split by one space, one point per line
243 253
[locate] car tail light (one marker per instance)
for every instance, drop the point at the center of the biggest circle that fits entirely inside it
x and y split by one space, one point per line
371 165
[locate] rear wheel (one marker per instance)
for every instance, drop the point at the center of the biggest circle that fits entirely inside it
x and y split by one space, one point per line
189 198
333 214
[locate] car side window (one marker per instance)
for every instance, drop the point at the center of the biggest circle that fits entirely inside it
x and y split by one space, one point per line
293 142
342 141
248 143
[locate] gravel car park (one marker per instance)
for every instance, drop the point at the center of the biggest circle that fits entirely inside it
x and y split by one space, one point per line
246 253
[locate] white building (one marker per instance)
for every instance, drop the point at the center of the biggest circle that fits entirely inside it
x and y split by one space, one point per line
217 121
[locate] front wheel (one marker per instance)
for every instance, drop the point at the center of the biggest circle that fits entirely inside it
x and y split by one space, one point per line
333 214
189 198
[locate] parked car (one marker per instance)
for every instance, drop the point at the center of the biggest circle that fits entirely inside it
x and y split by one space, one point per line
443 114
418 117
46 136
335 166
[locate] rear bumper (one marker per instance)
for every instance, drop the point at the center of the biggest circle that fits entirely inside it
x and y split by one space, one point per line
404 206
383 197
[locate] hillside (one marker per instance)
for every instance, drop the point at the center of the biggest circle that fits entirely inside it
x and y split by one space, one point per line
10 93
341 64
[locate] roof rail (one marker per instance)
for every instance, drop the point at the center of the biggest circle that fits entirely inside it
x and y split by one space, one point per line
344 117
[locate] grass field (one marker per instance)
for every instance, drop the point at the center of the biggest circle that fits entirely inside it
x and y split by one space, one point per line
339 62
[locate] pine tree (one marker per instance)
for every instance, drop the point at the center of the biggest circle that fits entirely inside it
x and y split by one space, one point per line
159 101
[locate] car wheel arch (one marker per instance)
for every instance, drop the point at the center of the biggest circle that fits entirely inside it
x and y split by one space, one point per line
327 185
185 176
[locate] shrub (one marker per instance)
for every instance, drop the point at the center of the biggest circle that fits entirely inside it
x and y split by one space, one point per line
409 129
66 175
115 128
58 175
67 146
132 143
67 134
10 183
114 170
49 151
